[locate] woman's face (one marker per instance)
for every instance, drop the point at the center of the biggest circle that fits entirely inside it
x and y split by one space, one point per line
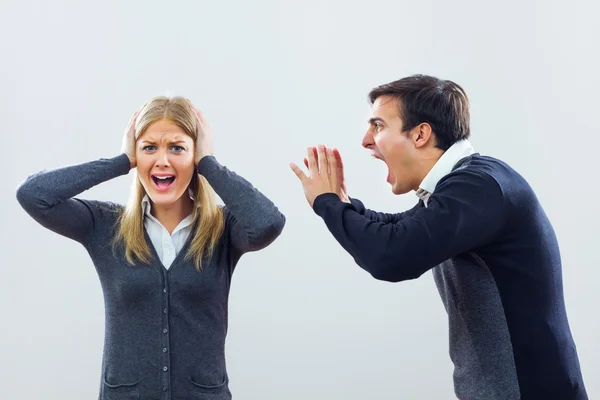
165 162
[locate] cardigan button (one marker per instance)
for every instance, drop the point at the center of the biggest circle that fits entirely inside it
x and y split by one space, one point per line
165 369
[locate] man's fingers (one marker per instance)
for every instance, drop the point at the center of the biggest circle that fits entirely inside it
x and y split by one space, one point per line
338 158
312 162
306 162
331 159
323 167
340 164
299 173
333 170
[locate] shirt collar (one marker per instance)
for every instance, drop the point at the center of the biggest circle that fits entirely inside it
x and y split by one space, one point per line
146 206
443 167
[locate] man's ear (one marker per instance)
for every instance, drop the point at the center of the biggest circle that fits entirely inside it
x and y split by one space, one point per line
422 135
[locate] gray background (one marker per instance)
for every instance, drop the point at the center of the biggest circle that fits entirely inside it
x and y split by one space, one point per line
273 78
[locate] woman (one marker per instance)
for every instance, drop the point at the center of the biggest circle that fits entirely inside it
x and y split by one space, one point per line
165 260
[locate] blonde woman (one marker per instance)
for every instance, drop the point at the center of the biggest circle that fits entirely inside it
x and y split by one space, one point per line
166 259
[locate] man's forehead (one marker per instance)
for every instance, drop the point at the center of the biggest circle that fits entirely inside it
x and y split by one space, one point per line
385 107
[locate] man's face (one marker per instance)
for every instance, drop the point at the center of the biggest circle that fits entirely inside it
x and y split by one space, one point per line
387 142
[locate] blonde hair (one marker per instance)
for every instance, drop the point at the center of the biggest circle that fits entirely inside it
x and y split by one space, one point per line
207 217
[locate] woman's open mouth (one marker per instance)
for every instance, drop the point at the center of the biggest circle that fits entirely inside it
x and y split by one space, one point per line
163 182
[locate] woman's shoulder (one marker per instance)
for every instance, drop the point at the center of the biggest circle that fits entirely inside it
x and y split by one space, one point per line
104 210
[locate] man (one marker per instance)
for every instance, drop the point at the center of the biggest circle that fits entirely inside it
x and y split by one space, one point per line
477 224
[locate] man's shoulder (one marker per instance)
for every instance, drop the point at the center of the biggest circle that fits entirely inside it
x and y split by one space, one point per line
492 174
483 163
475 170
477 165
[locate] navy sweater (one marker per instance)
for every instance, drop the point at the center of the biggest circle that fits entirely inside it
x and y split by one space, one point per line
497 266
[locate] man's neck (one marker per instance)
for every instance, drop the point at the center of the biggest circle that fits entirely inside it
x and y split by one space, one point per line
426 163
437 163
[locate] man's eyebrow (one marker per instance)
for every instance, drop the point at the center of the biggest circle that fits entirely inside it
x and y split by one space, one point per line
373 120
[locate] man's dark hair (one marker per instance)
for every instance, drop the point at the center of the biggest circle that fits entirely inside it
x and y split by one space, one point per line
441 103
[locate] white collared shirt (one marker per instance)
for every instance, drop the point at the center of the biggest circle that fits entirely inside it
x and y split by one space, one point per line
443 167
167 246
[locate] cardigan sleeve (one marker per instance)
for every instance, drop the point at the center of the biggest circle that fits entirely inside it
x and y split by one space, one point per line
254 221
48 196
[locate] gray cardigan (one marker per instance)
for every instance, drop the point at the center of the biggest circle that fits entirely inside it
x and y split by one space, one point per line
165 329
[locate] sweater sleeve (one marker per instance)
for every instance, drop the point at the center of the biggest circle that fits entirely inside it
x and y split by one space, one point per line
48 195
466 211
254 221
383 217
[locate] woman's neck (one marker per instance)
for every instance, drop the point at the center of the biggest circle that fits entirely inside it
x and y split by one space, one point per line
170 216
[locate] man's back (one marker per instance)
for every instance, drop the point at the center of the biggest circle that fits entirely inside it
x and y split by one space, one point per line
509 332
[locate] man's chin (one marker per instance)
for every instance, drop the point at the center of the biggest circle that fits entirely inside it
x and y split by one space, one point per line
397 189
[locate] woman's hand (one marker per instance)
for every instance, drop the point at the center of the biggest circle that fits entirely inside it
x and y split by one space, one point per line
128 144
204 136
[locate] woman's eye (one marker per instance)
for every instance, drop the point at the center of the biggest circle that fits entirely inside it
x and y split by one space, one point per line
149 148
177 148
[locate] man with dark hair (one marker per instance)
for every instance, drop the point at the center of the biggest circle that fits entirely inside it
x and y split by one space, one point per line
478 225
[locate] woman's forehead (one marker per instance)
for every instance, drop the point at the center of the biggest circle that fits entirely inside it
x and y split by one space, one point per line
164 131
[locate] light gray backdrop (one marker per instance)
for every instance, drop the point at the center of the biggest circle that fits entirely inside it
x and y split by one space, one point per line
274 77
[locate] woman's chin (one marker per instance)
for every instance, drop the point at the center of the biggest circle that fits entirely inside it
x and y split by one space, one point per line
163 199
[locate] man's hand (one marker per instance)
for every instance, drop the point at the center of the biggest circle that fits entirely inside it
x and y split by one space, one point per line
343 192
326 174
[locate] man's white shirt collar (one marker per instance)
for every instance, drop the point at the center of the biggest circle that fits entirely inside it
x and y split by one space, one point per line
443 167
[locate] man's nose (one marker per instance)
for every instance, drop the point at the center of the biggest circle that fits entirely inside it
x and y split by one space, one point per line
368 141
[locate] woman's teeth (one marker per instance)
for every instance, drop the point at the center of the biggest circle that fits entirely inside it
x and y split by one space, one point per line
163 181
